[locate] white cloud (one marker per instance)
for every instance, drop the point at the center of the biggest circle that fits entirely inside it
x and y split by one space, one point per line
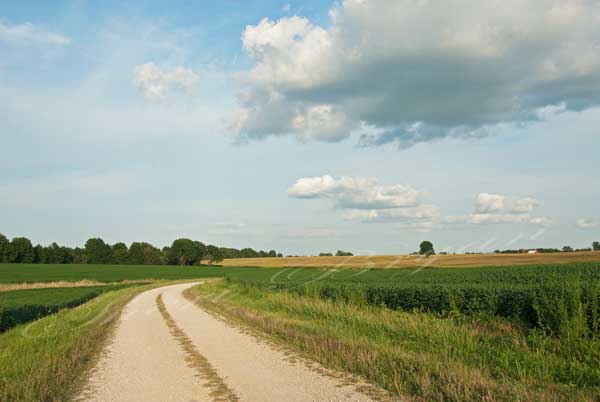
418 217
457 68
585 223
496 203
478 219
30 33
155 83
355 192
497 208
365 200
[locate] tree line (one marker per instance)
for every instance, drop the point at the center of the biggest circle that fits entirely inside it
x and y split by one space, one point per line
565 249
96 251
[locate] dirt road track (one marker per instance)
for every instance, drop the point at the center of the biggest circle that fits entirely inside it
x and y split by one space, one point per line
181 353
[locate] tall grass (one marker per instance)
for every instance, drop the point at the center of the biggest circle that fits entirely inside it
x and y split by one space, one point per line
424 356
44 360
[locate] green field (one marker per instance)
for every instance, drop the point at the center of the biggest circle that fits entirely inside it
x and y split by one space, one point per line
535 296
524 333
21 306
19 273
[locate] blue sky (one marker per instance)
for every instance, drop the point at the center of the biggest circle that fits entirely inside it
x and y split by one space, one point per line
303 126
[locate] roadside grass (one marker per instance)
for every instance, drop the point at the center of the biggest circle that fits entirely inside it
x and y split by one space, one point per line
422 356
21 306
44 361
9 287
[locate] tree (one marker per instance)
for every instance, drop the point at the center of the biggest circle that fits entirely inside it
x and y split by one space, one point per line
213 254
341 253
325 255
426 248
185 252
79 256
596 246
248 253
4 247
97 251
119 254
21 250
142 253
567 249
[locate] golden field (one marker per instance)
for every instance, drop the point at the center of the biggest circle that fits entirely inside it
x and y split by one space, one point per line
412 261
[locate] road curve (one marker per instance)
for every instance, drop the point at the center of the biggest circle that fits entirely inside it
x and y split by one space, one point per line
167 349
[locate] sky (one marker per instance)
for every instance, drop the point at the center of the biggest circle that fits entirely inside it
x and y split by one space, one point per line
304 127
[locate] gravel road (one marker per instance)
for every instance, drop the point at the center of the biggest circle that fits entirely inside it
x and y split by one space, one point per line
167 349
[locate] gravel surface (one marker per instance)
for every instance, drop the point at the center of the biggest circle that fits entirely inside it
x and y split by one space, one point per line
145 362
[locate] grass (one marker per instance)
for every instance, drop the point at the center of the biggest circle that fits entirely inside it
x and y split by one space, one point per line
411 261
484 276
20 306
44 361
31 273
370 322
424 356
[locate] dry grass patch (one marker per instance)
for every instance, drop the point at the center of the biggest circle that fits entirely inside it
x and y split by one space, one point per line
6 287
219 390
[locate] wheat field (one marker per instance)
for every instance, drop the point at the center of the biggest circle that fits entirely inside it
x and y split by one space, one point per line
412 261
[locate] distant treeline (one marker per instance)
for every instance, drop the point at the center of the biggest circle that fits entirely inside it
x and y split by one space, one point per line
96 251
565 249
339 253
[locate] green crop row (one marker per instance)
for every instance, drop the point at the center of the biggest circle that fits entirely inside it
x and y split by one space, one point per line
21 306
549 307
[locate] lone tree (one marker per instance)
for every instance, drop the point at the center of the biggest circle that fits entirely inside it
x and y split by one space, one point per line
567 249
596 246
426 248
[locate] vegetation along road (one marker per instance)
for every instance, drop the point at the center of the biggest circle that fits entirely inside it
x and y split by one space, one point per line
166 348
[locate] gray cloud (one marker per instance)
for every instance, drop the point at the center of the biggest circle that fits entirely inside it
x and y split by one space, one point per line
418 71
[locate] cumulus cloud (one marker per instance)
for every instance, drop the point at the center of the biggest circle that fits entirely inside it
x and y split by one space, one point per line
413 71
355 192
30 33
497 208
156 83
364 199
585 223
487 203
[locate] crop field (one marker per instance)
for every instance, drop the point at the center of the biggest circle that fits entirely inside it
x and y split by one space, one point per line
412 261
33 273
21 306
526 333
528 294
522 332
